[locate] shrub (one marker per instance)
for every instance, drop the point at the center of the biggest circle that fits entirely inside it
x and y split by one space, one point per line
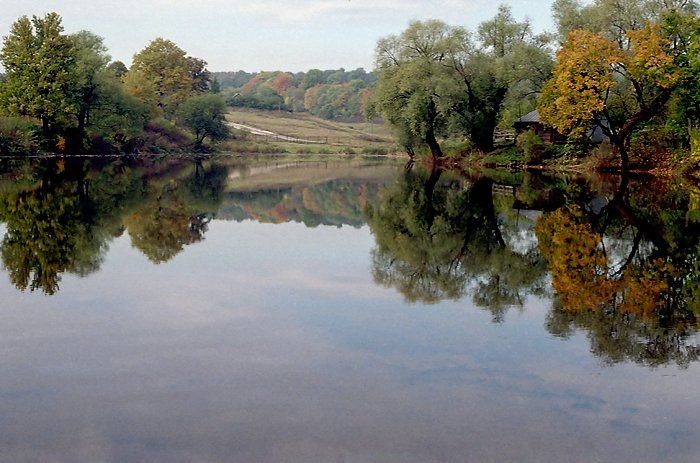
204 115
18 136
532 147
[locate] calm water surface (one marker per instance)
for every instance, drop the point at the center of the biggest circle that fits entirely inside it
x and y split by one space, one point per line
173 311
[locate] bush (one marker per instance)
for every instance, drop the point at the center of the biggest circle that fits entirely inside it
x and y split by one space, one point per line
18 136
204 115
532 147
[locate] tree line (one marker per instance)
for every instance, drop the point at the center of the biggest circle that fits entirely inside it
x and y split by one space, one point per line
329 94
62 93
629 68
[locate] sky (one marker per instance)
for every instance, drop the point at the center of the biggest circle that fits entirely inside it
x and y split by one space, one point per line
264 35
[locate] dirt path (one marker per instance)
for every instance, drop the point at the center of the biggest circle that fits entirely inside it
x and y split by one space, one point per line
267 133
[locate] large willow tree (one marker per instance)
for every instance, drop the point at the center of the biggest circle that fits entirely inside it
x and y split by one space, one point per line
438 81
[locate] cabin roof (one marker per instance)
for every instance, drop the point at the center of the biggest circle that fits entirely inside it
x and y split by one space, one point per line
532 116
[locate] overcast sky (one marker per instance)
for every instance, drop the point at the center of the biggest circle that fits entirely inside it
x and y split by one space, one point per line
291 35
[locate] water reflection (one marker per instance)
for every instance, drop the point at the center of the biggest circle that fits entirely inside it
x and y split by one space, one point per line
257 340
61 214
626 270
175 213
440 236
618 258
623 255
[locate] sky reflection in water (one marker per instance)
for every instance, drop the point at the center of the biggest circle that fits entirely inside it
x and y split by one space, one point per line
271 342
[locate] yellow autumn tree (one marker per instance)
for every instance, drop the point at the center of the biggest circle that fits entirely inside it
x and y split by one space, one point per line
614 84
577 93
161 74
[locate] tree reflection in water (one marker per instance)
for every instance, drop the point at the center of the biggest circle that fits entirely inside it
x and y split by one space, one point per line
620 263
624 267
61 215
176 213
439 238
627 273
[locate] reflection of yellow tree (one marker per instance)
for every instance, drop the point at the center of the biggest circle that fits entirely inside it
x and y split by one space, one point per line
162 232
582 274
579 264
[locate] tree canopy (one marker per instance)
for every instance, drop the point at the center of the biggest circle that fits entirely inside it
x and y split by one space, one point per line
81 100
164 76
204 115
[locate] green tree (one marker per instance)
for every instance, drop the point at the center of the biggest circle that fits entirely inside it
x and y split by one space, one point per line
118 117
38 60
613 18
162 75
104 107
311 78
412 68
90 66
204 115
118 69
436 82
201 77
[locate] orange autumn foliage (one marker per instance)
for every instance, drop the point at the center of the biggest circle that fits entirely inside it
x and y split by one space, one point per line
581 274
578 263
583 76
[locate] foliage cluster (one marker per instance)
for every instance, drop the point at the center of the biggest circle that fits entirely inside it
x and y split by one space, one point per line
626 67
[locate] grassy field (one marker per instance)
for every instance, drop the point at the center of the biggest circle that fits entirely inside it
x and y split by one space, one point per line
323 135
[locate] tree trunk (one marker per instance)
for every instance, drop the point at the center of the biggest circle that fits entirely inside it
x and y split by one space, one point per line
430 184
45 128
82 119
434 146
430 139
483 137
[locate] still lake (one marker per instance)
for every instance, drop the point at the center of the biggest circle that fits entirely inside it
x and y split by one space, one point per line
167 310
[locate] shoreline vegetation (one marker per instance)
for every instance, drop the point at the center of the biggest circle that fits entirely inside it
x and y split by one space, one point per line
438 95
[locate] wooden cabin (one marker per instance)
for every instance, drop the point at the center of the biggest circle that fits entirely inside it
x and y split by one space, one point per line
531 121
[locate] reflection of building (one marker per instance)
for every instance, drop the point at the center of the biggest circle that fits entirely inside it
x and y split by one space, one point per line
548 199
531 121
